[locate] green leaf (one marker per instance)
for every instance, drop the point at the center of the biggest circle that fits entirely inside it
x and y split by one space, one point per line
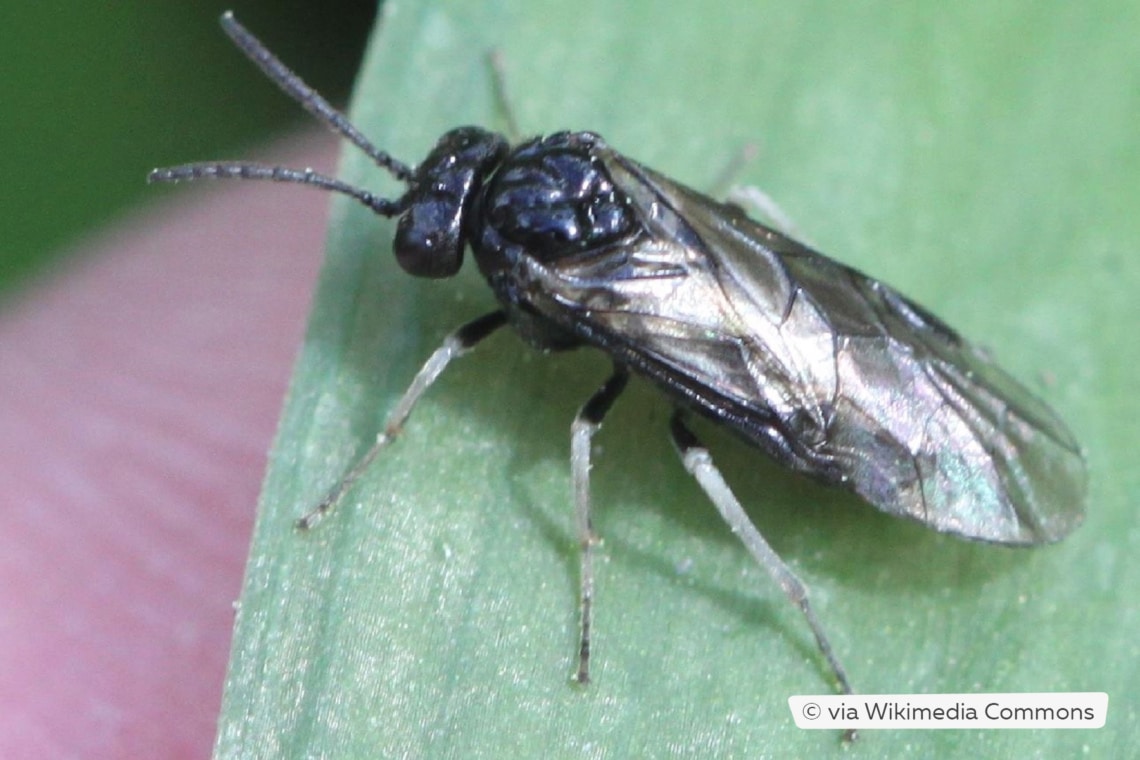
980 156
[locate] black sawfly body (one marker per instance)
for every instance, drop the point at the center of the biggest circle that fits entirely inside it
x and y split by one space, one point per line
833 374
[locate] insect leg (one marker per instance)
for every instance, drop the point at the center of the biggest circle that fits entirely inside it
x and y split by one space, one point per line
725 181
700 465
750 196
585 424
454 345
764 204
499 85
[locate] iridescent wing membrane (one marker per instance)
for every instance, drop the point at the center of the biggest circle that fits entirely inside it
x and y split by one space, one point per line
831 372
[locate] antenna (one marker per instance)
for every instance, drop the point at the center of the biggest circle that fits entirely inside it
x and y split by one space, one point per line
293 86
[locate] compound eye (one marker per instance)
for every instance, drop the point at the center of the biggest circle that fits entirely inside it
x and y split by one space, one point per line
430 235
428 239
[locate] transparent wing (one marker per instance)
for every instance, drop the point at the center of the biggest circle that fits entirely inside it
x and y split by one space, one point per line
833 373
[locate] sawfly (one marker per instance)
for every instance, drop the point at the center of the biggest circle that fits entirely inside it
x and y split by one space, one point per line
830 372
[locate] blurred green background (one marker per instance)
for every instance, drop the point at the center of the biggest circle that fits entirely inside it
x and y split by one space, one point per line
93 96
